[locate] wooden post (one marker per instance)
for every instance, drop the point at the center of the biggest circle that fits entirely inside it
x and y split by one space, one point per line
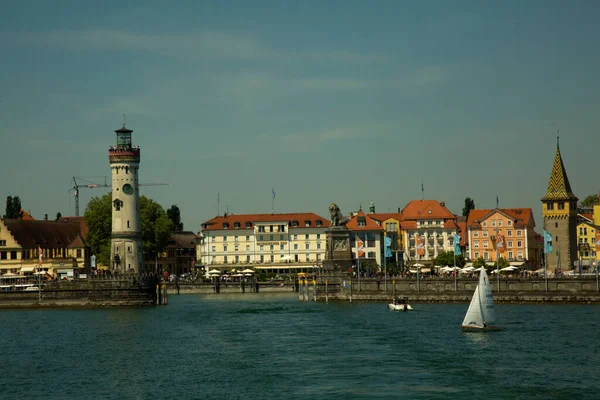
326 295
350 290
314 290
300 290
166 297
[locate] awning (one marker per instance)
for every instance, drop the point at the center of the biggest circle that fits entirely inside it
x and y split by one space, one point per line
517 263
28 269
468 265
283 266
490 263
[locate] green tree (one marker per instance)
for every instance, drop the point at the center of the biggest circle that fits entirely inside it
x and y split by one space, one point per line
156 227
174 215
13 207
469 205
480 262
503 263
98 219
447 259
590 200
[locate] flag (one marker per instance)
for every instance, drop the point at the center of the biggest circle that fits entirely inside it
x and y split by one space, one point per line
273 190
597 241
497 201
422 187
457 251
547 243
500 243
387 244
360 245
420 244
40 255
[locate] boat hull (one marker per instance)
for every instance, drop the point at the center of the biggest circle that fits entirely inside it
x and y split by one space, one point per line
399 307
473 328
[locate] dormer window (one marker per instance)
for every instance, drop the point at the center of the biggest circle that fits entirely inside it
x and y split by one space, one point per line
236 225
248 224
319 223
362 221
225 225
294 223
306 223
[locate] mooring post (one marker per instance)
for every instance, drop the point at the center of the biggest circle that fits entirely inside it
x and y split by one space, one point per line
166 301
326 295
350 290
300 290
314 290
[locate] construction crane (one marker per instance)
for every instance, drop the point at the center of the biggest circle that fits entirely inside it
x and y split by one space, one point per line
79 182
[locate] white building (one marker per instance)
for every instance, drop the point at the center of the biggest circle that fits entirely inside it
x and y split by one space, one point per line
281 243
126 252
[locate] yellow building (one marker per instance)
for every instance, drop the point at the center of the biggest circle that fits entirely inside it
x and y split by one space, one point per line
588 234
61 243
391 224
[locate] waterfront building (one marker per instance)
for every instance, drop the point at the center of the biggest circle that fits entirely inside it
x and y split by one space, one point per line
179 257
586 241
126 254
559 209
391 224
62 244
428 229
280 243
513 227
366 239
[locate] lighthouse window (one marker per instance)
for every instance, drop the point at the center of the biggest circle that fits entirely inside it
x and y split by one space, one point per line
128 224
126 170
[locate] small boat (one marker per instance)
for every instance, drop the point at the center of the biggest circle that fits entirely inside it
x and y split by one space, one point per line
399 305
481 314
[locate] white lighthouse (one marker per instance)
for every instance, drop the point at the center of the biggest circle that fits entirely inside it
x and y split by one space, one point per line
126 240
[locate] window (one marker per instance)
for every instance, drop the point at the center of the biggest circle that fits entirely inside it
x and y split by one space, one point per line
224 248
78 253
485 233
307 246
270 228
261 228
580 230
247 248
214 248
306 223
585 231
510 255
307 257
475 234
520 255
225 260
236 248
236 225
307 236
371 254
237 259
261 237
485 244
128 223
212 261
509 223
318 236
262 259
225 225
280 237
247 259
486 256
476 244
248 224
476 254
247 238
484 224
295 237
271 247
561 206
494 222
509 233
500 222
319 222
550 206
224 238
518 233
510 244
295 246
262 248
519 243
556 224
2 242
271 237
272 258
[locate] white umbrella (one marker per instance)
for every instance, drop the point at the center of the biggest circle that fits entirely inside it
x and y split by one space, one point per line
214 271
247 271
418 265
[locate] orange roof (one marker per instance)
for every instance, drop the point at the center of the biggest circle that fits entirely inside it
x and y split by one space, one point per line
462 231
25 216
520 216
369 223
426 209
216 223
588 216
82 224
385 216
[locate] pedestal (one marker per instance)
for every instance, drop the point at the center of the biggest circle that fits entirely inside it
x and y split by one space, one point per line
338 256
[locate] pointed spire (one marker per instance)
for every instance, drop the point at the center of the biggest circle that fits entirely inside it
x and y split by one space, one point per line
559 187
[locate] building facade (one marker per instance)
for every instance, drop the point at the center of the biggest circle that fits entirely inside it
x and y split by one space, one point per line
179 257
588 234
62 245
514 227
559 209
391 224
281 243
126 252
366 239
428 229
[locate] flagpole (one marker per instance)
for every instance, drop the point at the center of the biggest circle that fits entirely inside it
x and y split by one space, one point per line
455 283
218 203
273 201
358 263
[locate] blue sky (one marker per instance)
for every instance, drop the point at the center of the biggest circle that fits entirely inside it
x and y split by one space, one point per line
325 101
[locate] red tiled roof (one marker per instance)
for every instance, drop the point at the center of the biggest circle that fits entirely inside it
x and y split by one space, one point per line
82 224
385 216
46 234
426 209
589 216
462 226
521 216
25 216
216 223
370 224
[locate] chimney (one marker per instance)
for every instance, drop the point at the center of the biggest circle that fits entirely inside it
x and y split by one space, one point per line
45 217
443 203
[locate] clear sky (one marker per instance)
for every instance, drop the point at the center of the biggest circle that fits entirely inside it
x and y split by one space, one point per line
325 101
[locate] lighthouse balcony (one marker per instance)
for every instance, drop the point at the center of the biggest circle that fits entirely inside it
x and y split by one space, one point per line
119 151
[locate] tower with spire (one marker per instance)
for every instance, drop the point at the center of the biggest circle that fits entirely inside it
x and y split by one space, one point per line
126 239
559 209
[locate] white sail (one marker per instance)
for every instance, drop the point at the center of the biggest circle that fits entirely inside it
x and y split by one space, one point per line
474 317
486 299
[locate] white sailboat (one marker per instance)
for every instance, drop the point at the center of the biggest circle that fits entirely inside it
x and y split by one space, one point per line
481 314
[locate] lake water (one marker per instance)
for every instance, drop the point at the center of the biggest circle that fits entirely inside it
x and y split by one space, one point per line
272 346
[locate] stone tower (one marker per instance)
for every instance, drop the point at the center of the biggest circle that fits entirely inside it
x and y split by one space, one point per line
559 209
126 239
